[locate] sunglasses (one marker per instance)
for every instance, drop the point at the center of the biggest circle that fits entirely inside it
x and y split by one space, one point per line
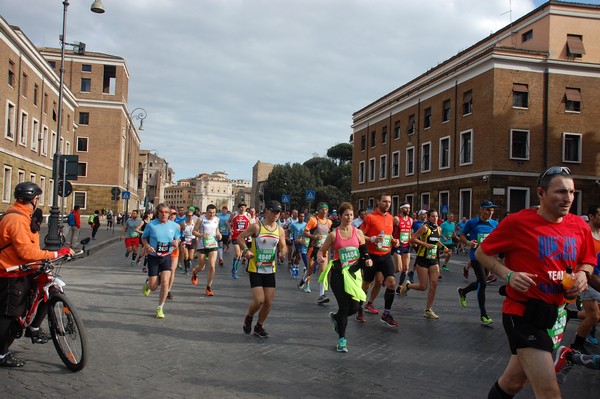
554 170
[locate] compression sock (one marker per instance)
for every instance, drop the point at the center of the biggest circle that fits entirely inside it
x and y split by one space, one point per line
220 252
133 255
388 297
497 393
402 277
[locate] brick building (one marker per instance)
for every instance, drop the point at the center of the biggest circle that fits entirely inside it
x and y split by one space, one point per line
260 174
484 123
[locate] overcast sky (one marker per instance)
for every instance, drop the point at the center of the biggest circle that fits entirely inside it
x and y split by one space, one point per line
229 82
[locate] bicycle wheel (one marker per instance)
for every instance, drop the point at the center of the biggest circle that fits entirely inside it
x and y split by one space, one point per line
68 335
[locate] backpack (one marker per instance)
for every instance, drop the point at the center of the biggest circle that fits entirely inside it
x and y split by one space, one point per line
1 216
71 219
91 220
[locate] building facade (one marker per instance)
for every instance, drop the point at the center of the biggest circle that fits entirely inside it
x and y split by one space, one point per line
260 174
154 177
485 123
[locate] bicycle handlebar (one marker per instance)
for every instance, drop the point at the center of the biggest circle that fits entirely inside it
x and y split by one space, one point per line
29 266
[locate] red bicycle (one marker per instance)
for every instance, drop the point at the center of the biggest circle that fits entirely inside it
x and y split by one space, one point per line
64 323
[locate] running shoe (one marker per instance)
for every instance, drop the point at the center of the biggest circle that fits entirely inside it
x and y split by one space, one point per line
445 268
194 278
371 309
398 290
307 288
465 272
430 314
179 266
592 339
389 320
132 264
209 292
562 365
169 295
247 327
462 298
146 289
341 346
333 321
234 276
405 287
322 299
360 316
144 269
486 320
10 361
491 278
301 284
159 313
260 332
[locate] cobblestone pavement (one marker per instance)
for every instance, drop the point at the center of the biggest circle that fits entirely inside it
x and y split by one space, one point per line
199 349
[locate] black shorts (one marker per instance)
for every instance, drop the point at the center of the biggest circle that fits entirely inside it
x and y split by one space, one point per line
14 295
158 264
384 264
402 250
424 262
193 244
522 334
315 251
225 239
262 280
206 251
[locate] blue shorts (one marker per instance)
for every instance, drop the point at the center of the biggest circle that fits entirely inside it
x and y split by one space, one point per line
158 264
402 250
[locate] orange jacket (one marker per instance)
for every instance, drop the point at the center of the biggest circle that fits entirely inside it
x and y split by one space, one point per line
15 229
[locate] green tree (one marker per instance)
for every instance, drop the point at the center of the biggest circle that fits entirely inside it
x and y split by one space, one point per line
341 152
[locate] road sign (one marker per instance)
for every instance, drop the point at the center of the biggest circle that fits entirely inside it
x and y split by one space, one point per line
125 195
115 191
310 195
444 209
68 188
68 167
285 199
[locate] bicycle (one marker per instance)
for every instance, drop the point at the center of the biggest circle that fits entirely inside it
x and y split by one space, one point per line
65 324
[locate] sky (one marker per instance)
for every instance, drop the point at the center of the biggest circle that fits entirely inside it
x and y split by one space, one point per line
226 83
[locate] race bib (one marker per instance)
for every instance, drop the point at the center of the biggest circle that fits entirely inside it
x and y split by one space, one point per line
264 260
320 240
134 234
163 248
348 256
210 242
557 331
223 229
404 237
386 245
188 240
306 241
481 237
431 253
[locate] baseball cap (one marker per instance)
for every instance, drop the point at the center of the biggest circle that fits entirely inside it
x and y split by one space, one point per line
488 204
422 212
274 206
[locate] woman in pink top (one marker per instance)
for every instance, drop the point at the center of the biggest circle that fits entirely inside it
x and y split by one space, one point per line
349 251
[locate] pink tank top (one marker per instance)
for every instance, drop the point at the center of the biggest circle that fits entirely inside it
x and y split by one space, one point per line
339 242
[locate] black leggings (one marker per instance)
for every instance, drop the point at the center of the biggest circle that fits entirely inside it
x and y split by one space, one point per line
481 273
346 305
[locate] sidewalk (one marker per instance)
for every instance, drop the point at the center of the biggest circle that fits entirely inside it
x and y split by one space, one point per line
104 236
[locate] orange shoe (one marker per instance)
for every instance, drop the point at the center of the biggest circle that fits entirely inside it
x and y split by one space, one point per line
194 278
209 292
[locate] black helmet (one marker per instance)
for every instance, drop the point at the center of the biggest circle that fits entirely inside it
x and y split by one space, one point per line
27 191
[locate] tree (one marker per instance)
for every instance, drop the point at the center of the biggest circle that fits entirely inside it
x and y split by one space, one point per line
341 152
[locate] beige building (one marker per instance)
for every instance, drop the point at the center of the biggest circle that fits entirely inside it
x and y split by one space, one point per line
260 174
484 123
154 178
181 194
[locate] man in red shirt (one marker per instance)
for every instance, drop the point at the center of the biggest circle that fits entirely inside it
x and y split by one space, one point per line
539 244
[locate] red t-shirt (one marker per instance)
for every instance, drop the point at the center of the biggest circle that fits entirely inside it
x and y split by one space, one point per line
534 245
238 224
373 225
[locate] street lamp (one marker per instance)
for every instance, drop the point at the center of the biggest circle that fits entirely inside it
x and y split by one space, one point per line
52 240
139 114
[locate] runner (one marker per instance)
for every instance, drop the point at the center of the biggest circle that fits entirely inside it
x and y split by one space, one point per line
267 246
207 232
316 229
295 232
131 233
179 218
237 224
224 217
362 214
402 253
447 238
175 254
189 241
417 223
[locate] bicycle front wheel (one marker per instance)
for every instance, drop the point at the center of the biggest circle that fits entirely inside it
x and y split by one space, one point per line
68 335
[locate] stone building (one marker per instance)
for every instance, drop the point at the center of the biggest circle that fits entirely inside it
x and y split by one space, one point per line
260 174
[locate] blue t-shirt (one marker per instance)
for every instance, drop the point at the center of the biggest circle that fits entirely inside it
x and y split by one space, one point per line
296 229
160 236
448 232
477 229
417 225
223 227
460 226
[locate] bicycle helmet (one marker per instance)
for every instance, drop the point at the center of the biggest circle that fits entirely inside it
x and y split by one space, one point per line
27 191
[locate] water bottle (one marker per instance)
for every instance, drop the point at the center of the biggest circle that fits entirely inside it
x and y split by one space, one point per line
567 282
380 243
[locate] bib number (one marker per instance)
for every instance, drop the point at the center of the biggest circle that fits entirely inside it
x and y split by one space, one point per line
348 256
481 237
320 240
386 245
558 329
163 248
431 253
210 242
264 260
404 237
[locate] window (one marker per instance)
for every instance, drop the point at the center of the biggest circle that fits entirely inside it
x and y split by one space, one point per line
54 112
572 100
445 152
464 196
361 204
44 141
11 73
373 137
372 169
410 129
518 199
572 147
32 177
82 169
45 103
52 145
467 102
444 209
35 134
410 161
86 85
21 177
466 147
82 144
396 130
43 187
86 68
426 158
575 47
384 135
36 92
109 83
519 144
527 36
52 64
396 164
84 118
395 205
371 203
576 205
363 142
80 198
10 121
383 167
520 97
23 129
446 111
361 172
425 201
427 118
24 85
6 183
410 199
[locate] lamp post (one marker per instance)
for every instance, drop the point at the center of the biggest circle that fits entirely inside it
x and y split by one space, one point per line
139 114
52 240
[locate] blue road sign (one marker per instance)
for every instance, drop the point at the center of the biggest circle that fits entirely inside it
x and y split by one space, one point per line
444 209
310 195
125 195
285 199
